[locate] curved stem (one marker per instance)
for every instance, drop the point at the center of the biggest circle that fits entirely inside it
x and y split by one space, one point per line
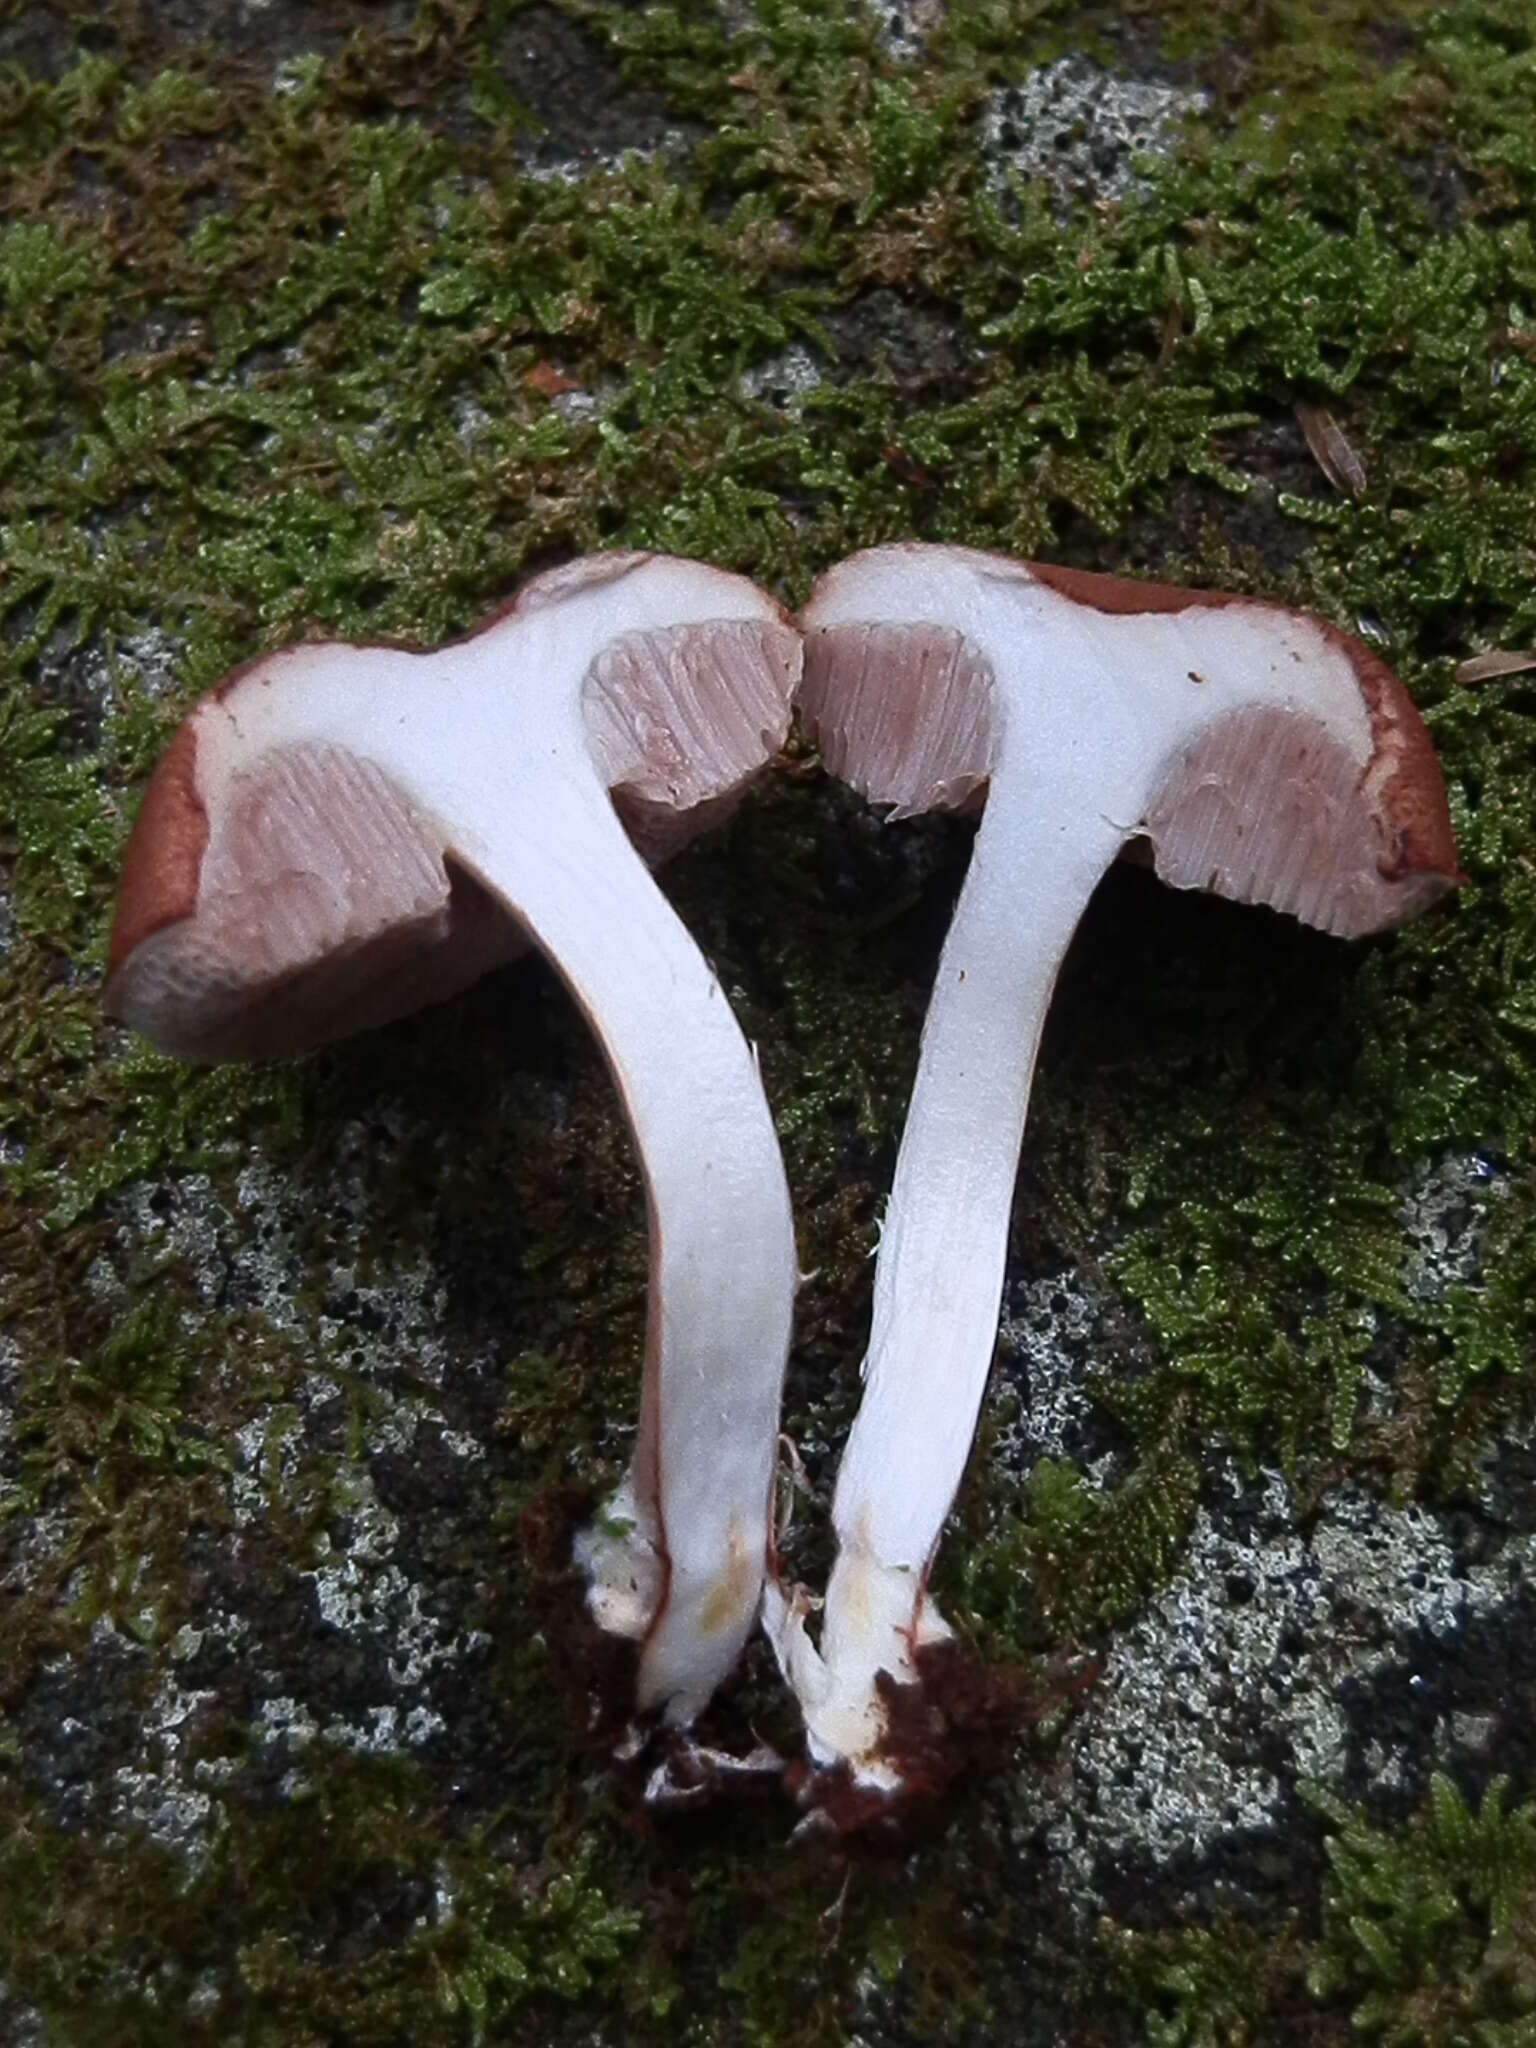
939 1276
506 786
688 1575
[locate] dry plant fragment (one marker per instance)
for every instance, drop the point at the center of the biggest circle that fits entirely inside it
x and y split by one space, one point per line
1331 449
339 834
1263 754
1492 668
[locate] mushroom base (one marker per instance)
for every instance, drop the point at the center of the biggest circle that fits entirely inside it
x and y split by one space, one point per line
877 1621
621 1559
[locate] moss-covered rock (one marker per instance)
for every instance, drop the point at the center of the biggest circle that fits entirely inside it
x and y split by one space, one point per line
344 318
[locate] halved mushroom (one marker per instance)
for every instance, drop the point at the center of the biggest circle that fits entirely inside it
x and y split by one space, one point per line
339 834
1264 755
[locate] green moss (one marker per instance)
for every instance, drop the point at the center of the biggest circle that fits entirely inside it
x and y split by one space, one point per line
1425 1940
1222 1986
491 1937
1428 1927
1066 1558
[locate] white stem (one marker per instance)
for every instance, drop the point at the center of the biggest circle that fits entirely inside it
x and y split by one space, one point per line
939 1277
491 747
723 1268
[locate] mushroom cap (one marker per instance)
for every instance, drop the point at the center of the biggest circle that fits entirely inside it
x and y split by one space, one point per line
1285 762
280 889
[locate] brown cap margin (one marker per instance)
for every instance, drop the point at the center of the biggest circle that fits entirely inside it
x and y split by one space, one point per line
1404 765
165 853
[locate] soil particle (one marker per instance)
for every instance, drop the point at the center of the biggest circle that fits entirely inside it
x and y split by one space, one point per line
582 110
43 42
914 343
269 32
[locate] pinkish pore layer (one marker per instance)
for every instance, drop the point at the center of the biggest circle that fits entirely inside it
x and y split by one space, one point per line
323 907
1311 848
909 720
663 759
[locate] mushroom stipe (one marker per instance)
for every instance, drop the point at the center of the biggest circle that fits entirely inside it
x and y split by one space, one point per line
1262 753
340 834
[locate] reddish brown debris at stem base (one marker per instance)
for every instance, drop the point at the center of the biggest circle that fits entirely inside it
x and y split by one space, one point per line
962 1719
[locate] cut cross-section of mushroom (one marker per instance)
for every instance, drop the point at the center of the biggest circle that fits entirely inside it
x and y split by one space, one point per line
339 834
1265 755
